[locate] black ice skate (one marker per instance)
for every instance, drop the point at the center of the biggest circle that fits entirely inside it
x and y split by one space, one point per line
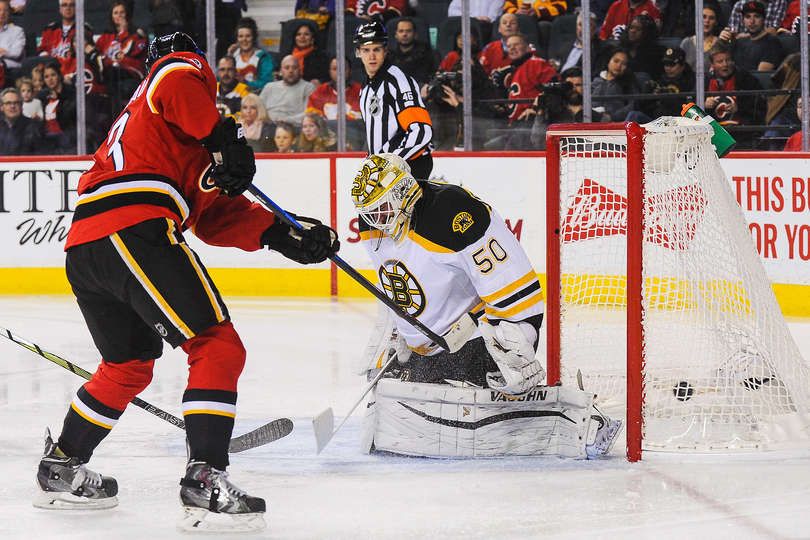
207 490
65 483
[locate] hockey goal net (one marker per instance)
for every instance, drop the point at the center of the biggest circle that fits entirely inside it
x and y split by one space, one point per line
658 297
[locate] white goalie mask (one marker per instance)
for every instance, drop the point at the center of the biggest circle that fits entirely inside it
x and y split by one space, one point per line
384 193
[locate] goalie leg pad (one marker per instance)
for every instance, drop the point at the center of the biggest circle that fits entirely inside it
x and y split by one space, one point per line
384 341
438 420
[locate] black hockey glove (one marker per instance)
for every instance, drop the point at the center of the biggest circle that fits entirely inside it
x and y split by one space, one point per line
314 244
234 163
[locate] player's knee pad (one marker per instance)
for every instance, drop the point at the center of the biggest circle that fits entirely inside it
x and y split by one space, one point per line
439 420
216 358
115 384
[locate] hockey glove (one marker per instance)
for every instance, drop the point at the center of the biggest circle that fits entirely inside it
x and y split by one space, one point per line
314 244
234 162
511 347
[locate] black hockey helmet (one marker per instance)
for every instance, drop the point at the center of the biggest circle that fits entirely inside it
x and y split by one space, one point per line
176 42
370 32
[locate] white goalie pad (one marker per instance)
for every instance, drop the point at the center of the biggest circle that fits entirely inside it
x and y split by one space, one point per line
438 420
379 343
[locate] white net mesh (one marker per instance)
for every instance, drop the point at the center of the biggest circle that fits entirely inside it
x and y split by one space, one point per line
721 369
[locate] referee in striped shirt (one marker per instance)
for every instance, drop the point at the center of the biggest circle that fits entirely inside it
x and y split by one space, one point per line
396 119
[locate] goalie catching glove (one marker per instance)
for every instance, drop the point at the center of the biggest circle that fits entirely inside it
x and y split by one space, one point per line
233 160
314 244
511 346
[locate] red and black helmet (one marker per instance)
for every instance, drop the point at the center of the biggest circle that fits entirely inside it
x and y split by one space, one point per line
170 43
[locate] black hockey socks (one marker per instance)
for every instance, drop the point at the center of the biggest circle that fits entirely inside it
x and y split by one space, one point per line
209 416
87 422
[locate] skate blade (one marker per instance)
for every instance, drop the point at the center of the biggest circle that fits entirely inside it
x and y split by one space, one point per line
57 500
203 521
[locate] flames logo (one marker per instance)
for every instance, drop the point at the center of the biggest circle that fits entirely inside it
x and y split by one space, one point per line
371 7
206 182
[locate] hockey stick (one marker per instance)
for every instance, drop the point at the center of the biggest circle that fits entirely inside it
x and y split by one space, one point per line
324 423
269 432
453 339
265 434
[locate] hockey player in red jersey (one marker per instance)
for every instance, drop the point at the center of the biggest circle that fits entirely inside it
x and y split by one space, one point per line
168 164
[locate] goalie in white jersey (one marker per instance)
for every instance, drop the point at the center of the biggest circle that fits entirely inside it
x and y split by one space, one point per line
441 254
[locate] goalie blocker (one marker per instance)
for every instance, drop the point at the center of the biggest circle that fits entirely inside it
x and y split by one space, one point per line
440 420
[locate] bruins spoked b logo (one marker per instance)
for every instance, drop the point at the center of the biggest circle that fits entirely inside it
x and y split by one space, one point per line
401 286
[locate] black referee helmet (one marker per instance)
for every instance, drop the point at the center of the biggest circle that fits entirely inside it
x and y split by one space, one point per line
370 32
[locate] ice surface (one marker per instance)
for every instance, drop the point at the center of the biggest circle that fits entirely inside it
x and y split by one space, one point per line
302 358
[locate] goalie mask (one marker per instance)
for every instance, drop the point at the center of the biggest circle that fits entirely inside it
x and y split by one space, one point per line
385 192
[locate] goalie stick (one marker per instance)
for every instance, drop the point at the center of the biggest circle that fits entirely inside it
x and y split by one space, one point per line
451 341
265 434
324 423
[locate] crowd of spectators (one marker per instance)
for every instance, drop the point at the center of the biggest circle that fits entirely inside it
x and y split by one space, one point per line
643 55
527 69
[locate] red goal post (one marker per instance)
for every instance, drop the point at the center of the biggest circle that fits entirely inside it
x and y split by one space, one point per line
645 245
634 158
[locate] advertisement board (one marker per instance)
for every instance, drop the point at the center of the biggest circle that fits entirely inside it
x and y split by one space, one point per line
38 196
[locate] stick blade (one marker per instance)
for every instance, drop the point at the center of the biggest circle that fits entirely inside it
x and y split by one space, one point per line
324 427
272 431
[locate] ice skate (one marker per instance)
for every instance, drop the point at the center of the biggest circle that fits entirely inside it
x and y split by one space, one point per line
206 491
65 483
606 436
